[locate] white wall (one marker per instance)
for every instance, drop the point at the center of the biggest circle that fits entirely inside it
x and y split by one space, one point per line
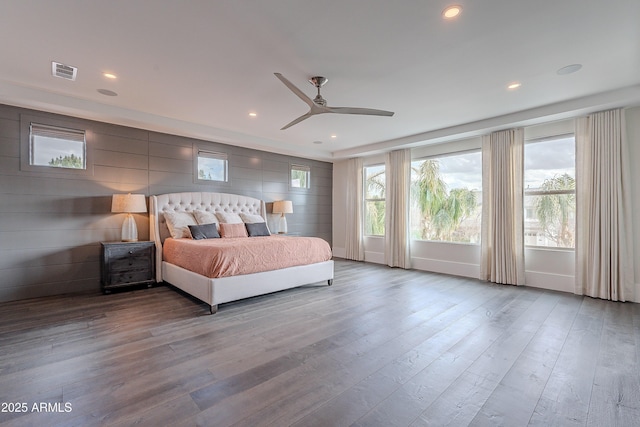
544 268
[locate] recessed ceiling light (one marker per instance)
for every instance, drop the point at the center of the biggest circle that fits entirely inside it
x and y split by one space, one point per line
107 92
569 69
514 85
334 136
110 75
253 114
452 11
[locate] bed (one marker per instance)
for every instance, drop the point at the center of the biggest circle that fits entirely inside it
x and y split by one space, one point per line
238 285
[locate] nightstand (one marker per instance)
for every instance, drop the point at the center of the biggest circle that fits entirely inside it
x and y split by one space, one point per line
126 264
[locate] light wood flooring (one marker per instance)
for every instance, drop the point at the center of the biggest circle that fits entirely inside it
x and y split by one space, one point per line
381 347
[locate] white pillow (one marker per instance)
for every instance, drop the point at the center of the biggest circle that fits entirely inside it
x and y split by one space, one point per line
204 217
229 218
178 224
251 218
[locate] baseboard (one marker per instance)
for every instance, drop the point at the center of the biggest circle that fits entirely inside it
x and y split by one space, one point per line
446 267
554 282
374 257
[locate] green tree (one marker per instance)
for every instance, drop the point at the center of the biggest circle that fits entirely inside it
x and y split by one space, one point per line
300 176
203 175
441 211
430 191
556 211
69 161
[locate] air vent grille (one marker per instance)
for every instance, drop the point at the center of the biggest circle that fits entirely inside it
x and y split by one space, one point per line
63 71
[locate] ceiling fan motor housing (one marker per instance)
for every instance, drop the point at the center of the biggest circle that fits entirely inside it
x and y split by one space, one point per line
318 82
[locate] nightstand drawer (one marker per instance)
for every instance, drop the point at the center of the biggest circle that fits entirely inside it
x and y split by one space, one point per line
131 263
130 277
127 263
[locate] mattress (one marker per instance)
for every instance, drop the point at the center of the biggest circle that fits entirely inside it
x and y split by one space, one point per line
215 258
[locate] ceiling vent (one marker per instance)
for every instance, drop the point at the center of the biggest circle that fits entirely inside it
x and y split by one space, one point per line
66 72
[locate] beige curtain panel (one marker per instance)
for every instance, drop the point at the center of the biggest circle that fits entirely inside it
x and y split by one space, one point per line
604 266
354 245
397 242
502 244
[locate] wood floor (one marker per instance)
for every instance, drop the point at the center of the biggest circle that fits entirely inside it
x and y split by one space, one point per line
381 347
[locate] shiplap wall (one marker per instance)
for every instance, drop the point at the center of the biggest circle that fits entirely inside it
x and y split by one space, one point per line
51 224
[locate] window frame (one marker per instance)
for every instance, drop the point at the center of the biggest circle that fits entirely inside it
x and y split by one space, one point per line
526 192
55 125
365 199
303 168
211 154
443 155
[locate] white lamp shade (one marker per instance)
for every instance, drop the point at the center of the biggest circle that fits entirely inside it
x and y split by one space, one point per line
283 207
128 203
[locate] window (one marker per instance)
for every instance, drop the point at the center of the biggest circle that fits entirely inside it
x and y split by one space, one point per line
57 147
374 200
446 198
212 166
550 192
300 176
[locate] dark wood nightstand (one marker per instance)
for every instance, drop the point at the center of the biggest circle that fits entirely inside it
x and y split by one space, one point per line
126 264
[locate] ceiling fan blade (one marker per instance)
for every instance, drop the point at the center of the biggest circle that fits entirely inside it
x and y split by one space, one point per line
365 111
298 120
295 90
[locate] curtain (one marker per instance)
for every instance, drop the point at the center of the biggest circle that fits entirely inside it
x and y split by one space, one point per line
398 185
603 246
354 245
502 244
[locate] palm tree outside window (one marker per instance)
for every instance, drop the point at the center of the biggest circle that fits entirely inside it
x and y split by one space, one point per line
446 198
374 200
550 192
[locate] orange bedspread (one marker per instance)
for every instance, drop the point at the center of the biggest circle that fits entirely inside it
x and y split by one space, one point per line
244 255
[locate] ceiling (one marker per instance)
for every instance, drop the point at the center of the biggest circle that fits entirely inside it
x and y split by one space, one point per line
198 68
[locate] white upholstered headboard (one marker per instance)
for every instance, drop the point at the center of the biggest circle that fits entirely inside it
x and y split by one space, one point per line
189 202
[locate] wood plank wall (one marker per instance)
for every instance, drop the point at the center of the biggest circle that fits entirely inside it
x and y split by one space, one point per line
51 225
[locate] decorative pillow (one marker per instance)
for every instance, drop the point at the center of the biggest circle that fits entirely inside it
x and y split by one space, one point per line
204 217
251 218
257 229
204 231
233 230
178 224
229 217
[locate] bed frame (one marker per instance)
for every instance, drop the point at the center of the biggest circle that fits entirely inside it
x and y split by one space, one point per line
226 289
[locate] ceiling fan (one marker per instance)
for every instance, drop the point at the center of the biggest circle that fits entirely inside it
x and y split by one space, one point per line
318 105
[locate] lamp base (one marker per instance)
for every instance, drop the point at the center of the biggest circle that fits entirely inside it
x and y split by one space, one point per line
282 225
129 229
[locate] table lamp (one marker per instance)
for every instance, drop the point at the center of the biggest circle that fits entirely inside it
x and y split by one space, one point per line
282 207
129 203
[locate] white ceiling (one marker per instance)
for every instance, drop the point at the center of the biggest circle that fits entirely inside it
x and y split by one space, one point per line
197 68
